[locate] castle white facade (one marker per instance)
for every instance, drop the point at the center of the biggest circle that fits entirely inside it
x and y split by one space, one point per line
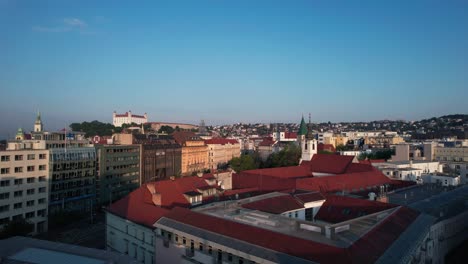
119 119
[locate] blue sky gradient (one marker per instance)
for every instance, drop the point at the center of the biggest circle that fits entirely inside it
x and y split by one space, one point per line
231 61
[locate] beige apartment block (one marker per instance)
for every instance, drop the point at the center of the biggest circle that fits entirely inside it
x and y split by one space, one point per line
221 151
24 182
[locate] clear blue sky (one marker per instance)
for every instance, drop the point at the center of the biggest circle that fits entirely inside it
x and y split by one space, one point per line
231 61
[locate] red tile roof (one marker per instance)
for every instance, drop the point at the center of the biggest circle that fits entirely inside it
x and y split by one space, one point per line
290 135
310 197
182 136
267 142
275 205
372 245
282 172
326 147
126 115
358 167
290 245
221 141
348 182
138 208
172 191
326 163
367 249
341 208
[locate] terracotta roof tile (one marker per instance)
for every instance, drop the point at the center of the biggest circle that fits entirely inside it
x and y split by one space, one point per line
138 208
275 205
221 141
341 208
326 163
348 182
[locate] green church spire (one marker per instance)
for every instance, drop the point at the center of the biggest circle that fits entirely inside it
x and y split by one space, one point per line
303 127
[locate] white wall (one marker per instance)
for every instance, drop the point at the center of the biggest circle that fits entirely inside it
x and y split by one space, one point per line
129 238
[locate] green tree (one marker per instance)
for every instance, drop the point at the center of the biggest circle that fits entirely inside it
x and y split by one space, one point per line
289 156
242 163
166 129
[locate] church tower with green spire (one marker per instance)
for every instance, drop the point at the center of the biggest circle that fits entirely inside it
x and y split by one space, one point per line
307 140
302 128
38 123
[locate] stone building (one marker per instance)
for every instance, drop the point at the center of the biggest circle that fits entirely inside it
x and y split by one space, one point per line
221 151
194 152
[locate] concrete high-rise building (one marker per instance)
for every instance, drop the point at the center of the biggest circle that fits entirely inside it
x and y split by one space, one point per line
118 172
71 166
24 184
160 155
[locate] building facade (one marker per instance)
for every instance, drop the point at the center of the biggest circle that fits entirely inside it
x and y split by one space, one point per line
221 151
194 152
24 183
119 119
72 184
117 173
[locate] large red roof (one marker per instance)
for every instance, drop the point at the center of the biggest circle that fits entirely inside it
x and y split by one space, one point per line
325 163
275 205
290 135
373 244
182 136
221 141
341 208
348 182
261 237
138 208
359 167
366 249
282 172
310 197
326 147
172 191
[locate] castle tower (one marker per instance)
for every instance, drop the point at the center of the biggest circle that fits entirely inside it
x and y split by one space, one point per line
308 141
38 123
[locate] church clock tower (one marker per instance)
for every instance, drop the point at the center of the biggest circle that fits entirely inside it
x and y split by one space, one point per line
308 142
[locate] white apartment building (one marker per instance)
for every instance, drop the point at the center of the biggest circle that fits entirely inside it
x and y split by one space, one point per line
129 238
119 119
442 179
24 181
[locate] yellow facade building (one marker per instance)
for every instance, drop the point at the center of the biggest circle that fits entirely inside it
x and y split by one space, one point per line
194 152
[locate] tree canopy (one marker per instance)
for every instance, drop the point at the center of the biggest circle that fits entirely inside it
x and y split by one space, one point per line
381 154
289 156
244 162
94 128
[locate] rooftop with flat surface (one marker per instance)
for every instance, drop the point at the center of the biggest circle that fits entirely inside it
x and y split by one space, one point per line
239 211
25 250
439 201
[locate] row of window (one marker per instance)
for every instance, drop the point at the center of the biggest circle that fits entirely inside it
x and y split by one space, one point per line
122 150
5 158
28 215
71 193
21 169
7 182
220 255
19 193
